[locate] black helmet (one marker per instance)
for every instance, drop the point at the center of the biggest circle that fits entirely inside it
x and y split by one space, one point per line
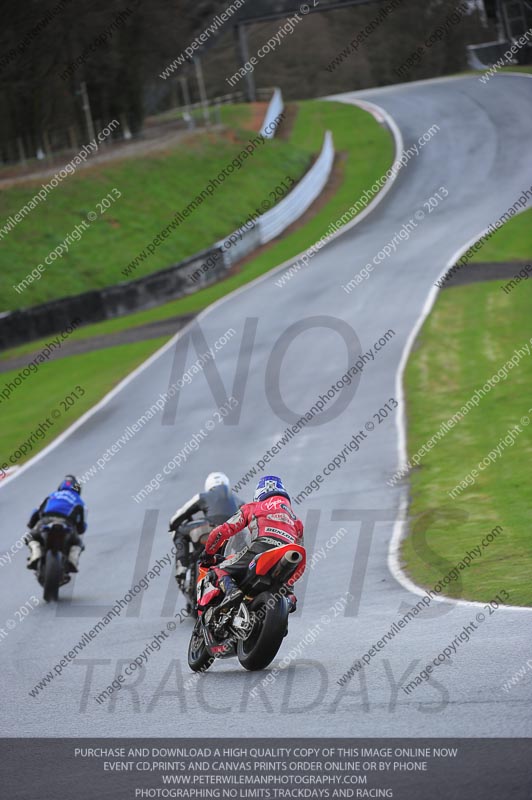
70 482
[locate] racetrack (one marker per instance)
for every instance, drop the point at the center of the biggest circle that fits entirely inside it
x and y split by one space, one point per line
482 155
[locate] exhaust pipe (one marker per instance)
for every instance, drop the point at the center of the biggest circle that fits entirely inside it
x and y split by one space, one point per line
292 557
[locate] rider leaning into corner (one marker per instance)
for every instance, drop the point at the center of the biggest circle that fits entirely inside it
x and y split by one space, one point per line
217 502
271 523
67 506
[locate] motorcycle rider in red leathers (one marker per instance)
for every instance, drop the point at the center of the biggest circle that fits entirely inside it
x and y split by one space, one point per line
271 523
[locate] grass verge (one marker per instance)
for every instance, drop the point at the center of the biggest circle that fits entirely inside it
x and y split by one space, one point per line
152 188
369 153
96 373
471 333
512 242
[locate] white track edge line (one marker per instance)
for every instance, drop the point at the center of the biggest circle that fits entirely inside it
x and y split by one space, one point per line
399 530
400 527
397 536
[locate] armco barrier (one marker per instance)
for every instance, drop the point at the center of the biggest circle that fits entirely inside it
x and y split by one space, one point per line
483 56
283 214
275 108
176 281
250 240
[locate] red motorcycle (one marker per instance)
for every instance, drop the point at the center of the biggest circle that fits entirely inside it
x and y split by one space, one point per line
255 629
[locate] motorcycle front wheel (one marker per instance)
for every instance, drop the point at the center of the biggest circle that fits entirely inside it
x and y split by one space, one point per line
199 658
192 603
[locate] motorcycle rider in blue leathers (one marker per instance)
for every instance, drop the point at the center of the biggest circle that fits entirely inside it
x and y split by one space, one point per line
66 505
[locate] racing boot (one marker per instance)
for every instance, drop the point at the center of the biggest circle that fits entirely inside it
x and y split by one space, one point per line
288 592
73 558
292 602
233 595
35 554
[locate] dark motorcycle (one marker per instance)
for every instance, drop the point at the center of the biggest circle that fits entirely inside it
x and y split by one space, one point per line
51 570
254 631
196 533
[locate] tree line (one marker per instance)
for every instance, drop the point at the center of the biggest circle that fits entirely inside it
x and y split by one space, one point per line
57 54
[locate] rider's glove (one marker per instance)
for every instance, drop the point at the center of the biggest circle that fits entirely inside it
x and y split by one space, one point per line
207 560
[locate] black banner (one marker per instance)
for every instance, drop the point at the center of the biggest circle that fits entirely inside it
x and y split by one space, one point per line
273 769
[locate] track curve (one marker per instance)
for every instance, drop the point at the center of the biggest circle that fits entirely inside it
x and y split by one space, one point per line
482 155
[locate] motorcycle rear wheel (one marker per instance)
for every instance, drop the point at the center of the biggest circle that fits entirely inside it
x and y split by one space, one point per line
262 645
53 573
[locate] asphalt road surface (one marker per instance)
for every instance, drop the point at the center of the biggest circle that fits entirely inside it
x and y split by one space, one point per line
482 156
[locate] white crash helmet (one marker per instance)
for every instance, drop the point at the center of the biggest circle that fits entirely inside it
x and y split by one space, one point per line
216 479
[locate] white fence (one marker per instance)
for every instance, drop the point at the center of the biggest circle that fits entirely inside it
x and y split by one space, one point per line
269 225
275 108
275 221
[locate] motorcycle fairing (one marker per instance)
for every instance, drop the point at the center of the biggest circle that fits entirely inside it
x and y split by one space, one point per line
265 561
